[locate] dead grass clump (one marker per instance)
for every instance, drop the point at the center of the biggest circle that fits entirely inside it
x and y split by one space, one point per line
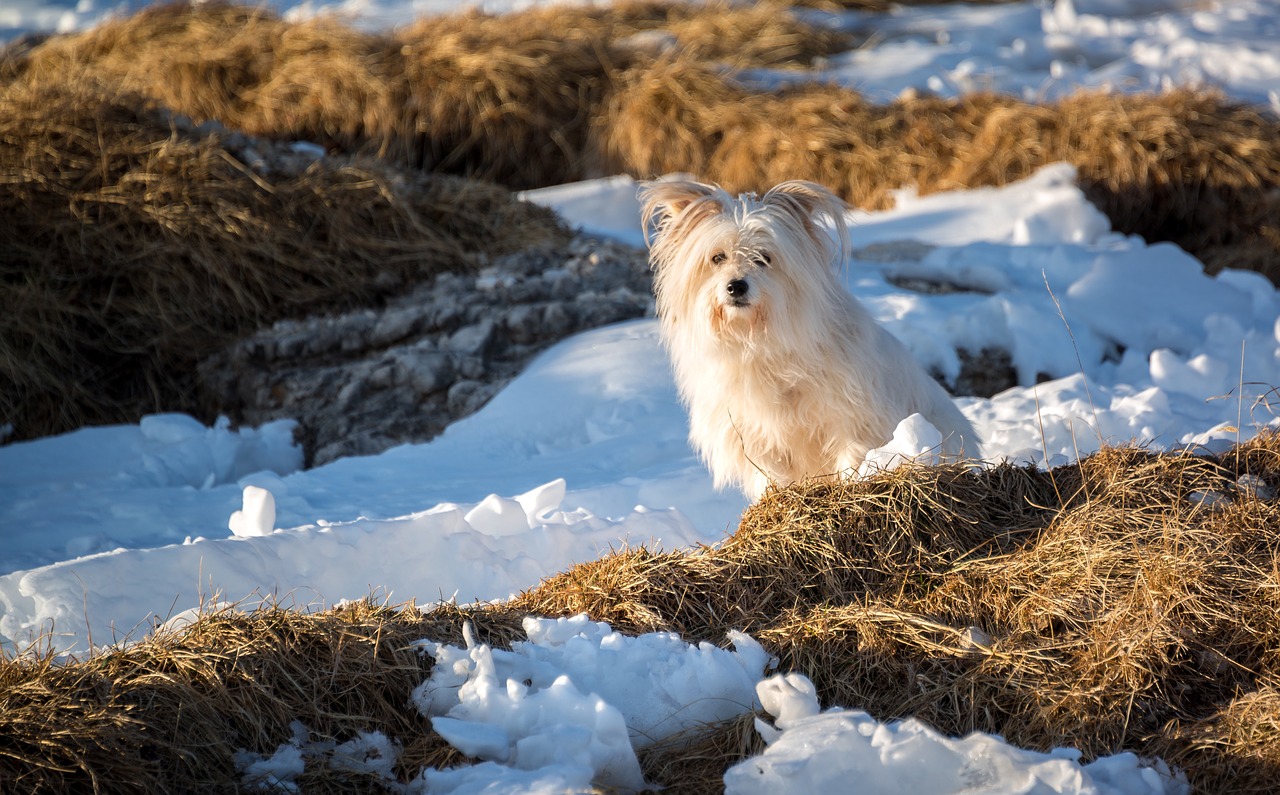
203 61
504 97
1247 729
168 714
695 761
511 97
130 248
556 94
756 34
1128 602
1187 167
249 70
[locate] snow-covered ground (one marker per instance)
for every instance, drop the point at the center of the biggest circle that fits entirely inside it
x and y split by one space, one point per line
106 531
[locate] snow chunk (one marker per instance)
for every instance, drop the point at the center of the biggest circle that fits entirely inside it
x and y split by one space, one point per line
271 773
491 778
915 439
257 517
822 752
370 753
177 449
579 693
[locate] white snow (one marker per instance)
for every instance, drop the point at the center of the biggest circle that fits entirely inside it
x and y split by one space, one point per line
1043 50
108 532
915 439
257 518
811 751
371 753
579 695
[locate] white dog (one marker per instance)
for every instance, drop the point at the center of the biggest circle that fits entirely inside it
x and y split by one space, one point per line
786 375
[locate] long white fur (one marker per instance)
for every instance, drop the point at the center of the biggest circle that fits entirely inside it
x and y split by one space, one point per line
794 378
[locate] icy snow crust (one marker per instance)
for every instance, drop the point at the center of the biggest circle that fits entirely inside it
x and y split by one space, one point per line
108 531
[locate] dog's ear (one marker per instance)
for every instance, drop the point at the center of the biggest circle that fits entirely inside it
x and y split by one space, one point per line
808 201
663 200
812 199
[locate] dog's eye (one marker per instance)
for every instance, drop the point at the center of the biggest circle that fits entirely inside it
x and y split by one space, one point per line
717 258
763 259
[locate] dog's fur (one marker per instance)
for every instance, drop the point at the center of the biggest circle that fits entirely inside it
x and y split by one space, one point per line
786 375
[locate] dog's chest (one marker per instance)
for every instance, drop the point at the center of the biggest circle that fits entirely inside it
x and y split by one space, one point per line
784 407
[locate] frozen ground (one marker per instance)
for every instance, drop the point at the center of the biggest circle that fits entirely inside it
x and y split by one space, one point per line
107 531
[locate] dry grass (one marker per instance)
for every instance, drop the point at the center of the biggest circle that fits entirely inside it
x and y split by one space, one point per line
130 249
1120 612
1187 167
495 97
168 714
553 95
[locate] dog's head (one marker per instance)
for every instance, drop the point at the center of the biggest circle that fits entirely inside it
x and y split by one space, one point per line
743 266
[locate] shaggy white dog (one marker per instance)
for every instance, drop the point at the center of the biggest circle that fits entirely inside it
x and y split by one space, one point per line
786 375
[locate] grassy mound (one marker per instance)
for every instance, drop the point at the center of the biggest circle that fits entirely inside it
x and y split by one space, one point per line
168 714
130 248
504 97
1181 166
556 94
1127 602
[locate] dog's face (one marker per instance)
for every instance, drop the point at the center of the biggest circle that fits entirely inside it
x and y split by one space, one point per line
740 268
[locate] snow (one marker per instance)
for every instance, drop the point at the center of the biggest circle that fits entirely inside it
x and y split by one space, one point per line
109 532
1044 50
371 753
915 439
578 694
556 468
811 751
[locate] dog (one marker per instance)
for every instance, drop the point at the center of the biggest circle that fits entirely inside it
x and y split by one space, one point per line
785 375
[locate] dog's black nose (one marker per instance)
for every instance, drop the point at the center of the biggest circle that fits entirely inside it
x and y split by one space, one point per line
737 288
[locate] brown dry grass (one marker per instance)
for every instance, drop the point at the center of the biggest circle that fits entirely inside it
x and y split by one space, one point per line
130 249
1122 614
1182 166
495 97
553 95
167 714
